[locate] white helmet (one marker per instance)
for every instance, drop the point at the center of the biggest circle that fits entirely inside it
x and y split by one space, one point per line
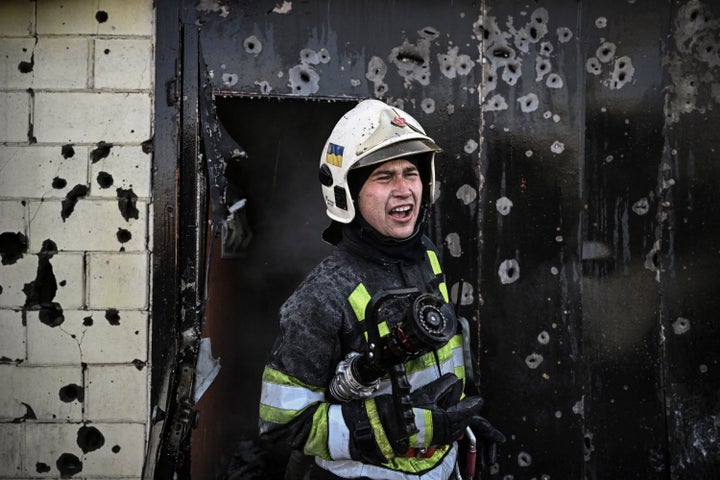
372 132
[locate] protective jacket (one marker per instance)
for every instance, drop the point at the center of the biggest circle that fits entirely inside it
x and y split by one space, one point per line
320 324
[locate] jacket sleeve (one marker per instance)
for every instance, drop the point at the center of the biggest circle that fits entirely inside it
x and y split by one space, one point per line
293 406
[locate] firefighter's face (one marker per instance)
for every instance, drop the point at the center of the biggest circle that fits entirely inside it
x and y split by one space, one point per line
389 200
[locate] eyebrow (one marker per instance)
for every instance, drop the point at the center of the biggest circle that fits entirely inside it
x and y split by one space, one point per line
391 171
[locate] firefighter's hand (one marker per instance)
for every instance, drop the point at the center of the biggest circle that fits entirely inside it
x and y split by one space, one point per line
487 438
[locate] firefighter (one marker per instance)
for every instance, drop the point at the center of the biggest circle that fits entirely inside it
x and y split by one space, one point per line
378 180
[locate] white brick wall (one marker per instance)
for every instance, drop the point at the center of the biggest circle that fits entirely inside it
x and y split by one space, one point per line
73 74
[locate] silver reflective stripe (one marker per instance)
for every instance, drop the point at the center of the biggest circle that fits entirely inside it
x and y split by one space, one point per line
338 434
354 469
422 439
427 375
288 398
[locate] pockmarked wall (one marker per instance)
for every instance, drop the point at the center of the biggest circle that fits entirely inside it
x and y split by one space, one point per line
76 81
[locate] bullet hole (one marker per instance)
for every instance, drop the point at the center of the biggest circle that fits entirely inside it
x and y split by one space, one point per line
68 151
101 16
25 67
127 201
601 22
70 393
529 103
466 194
51 315
105 180
681 325
428 105
502 52
88 321
62 283
12 247
252 45
557 147
546 48
229 79
564 34
71 199
588 445
509 271
139 364
266 88
543 338
503 205
533 360
68 465
106 51
524 459
496 103
123 235
592 65
147 146
89 439
324 56
554 81
116 449
112 316
41 467
641 207
470 146
59 183
102 151
304 80
606 52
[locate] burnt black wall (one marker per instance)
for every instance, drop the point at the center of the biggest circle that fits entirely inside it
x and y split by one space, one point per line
577 211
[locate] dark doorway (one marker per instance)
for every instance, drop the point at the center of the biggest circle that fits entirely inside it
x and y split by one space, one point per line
283 139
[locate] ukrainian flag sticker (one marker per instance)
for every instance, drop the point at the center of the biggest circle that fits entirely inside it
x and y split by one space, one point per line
334 155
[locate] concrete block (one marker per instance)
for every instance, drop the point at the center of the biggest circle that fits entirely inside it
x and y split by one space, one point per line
70 17
52 393
42 172
15 58
12 340
49 445
12 215
86 117
61 63
117 393
17 18
13 439
122 453
14 116
125 64
93 225
127 17
67 269
89 337
129 167
118 280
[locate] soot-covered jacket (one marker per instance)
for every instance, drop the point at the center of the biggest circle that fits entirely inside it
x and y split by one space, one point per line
320 324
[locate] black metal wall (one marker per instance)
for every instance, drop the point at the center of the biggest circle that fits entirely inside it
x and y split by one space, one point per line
578 218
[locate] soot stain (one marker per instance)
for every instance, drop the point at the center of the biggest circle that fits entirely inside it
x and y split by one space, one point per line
71 392
68 151
12 247
59 183
68 465
90 439
105 180
112 316
147 146
29 414
71 199
101 16
88 321
139 364
41 467
127 203
123 235
102 151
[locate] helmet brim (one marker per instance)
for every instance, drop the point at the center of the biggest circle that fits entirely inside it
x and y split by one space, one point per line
397 150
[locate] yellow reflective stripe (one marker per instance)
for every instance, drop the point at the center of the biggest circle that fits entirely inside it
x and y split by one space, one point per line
444 291
434 262
317 442
378 431
437 270
382 329
283 397
359 299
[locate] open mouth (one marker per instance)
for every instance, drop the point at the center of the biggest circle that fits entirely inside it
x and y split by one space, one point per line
401 213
